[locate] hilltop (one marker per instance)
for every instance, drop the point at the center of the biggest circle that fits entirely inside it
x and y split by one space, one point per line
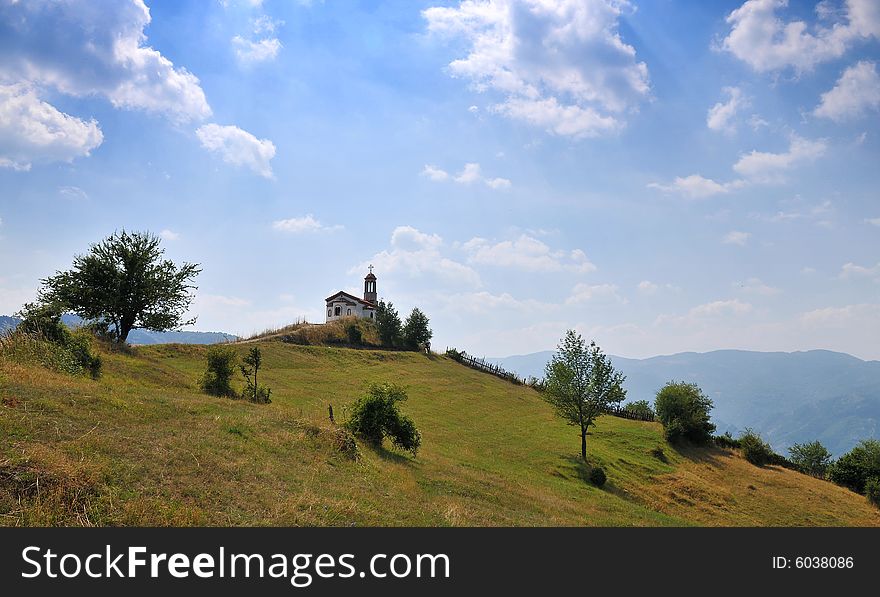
142 446
786 396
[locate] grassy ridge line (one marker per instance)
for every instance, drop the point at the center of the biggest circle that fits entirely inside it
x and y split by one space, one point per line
144 446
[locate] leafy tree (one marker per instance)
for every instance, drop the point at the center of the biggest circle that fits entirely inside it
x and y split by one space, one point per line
416 331
376 416
755 449
854 468
122 284
253 390
872 490
221 367
683 410
43 319
811 458
641 408
581 383
388 324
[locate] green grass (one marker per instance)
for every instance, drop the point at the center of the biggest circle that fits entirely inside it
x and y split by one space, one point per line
142 446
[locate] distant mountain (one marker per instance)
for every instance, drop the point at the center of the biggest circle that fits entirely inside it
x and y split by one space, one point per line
140 336
788 397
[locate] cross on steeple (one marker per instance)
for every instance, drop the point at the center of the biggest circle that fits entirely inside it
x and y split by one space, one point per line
371 268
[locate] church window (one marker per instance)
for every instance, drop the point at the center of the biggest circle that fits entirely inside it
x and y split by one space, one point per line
349 312
337 311
328 312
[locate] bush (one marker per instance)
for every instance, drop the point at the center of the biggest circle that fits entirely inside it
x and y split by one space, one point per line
754 449
811 458
43 320
854 468
221 367
375 416
640 408
355 336
597 476
726 441
872 491
683 410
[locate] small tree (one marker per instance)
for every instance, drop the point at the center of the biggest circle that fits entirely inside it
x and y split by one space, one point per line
43 319
811 458
221 367
388 324
683 410
251 367
416 331
122 284
580 383
854 468
376 416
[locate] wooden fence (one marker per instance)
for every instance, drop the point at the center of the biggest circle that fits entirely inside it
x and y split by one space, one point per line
496 370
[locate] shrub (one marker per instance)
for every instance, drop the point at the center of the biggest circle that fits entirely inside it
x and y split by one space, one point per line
854 468
640 408
254 391
872 490
726 441
659 454
355 336
43 320
221 367
597 476
754 449
811 458
683 410
376 416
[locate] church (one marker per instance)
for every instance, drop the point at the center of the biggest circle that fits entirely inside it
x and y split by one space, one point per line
342 304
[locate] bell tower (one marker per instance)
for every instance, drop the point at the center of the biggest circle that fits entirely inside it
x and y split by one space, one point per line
370 287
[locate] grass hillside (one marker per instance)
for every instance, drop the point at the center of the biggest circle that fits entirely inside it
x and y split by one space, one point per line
142 446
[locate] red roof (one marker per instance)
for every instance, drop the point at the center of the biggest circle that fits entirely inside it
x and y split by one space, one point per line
351 297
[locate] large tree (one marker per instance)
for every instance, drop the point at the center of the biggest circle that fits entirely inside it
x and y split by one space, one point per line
388 324
123 283
581 383
416 330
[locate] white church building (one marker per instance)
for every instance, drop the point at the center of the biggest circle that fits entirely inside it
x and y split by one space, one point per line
342 304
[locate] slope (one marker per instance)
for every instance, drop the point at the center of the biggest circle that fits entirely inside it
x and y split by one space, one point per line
143 446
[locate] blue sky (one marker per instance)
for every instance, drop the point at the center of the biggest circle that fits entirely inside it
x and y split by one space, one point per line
663 176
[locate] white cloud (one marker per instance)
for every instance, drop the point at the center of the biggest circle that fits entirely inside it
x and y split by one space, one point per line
73 193
851 270
766 42
736 237
33 131
557 64
862 316
856 92
169 235
304 224
721 116
705 314
765 167
417 254
583 293
756 286
874 221
83 48
696 186
238 147
470 173
526 253
647 287
252 52
433 173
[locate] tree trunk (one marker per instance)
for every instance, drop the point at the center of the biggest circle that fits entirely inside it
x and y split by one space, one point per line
584 443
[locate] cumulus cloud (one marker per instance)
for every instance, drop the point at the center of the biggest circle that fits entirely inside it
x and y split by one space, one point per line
765 167
526 253
695 186
736 237
855 93
83 48
721 116
766 42
304 224
874 221
647 287
556 64
251 52
169 235
851 270
471 173
238 147
418 254
757 286
33 131
583 293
